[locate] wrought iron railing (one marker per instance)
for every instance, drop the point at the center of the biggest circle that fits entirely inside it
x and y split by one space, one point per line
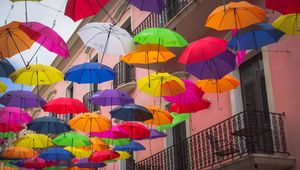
155 20
238 136
125 74
91 107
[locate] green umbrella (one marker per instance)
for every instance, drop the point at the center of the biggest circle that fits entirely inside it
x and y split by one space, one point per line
55 168
5 135
177 118
116 142
161 36
71 139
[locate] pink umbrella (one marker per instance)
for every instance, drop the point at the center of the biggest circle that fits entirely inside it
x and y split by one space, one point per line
47 37
113 133
14 116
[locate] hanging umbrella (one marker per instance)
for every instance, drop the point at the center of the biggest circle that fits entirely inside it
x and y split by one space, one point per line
110 97
133 146
97 145
71 139
37 75
90 72
235 15
190 107
4 127
8 168
90 122
131 112
160 116
85 163
156 6
214 68
14 115
202 49
17 163
3 87
116 142
13 152
289 24
64 105
156 134
284 6
34 141
48 124
22 99
6 68
135 130
78 153
123 155
56 154
114 132
77 168
177 118
37 163
240 57
100 156
6 135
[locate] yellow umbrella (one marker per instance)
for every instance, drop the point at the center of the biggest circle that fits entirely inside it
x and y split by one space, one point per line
3 87
123 155
289 24
79 153
160 116
34 141
97 145
90 122
18 153
37 75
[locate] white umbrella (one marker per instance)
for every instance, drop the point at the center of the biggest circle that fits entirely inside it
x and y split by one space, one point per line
106 37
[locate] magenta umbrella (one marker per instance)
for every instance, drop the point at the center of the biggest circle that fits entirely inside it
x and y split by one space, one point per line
14 115
114 132
48 38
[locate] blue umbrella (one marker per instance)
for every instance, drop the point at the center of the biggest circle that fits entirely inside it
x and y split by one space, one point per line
91 72
19 163
6 68
47 124
57 154
131 112
133 146
255 37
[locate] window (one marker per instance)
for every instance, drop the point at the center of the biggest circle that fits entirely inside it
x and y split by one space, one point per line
70 94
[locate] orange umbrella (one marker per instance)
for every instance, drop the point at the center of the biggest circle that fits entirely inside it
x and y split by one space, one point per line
160 116
97 145
7 168
235 15
18 153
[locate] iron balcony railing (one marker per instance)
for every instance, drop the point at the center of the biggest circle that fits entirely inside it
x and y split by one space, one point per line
91 107
125 74
238 136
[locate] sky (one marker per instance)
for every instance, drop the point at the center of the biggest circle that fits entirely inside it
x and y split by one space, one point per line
39 12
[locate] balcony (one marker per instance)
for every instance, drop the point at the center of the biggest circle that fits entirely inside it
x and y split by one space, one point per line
248 140
125 79
91 107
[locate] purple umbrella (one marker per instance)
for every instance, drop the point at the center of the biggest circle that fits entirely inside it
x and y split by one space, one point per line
84 163
111 97
22 99
155 134
156 6
214 68
48 38
115 132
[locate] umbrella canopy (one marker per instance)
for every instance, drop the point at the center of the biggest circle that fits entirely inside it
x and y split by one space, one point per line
37 75
6 68
202 49
85 163
214 68
156 134
47 38
72 139
284 6
18 153
235 15
190 107
160 116
131 112
110 97
79 153
178 118
100 156
90 122
48 124
34 141
79 9
288 24
114 132
22 99
160 36
227 83
56 154
65 105
4 127
117 142
135 130
133 146
97 144
255 37
14 115
156 6
90 72
37 163
6 135
106 37
123 155
3 87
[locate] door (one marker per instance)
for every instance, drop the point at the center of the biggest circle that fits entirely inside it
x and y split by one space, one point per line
180 154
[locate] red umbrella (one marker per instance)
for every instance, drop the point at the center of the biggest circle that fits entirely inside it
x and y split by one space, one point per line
189 107
104 155
37 163
135 130
65 105
203 49
10 127
284 6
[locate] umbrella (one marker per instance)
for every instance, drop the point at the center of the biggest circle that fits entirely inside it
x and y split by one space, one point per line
6 135
156 6
111 97
48 124
135 130
18 163
289 24
34 141
37 163
116 142
3 87
202 49
131 112
8 168
22 99
214 68
90 122
37 75
56 154
79 153
284 6
79 9
160 36
133 146
4 127
90 72
235 15
14 115
13 152
160 116
85 163
97 144
64 105
114 132
227 83
71 139
123 155
100 156
6 68
255 37
190 107
47 38
156 134
177 118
